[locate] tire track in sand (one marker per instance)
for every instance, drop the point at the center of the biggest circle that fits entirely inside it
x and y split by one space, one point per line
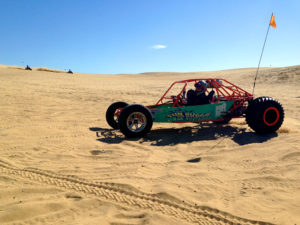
130 197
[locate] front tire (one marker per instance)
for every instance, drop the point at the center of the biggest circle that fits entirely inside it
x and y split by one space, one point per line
264 115
113 112
135 121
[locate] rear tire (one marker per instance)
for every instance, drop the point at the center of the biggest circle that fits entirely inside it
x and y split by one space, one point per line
112 113
135 121
264 115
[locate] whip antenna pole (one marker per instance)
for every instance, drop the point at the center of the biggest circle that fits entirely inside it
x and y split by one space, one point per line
262 54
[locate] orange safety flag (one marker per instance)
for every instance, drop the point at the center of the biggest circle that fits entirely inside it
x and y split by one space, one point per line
272 21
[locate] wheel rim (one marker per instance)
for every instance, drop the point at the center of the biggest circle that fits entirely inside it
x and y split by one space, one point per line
271 116
136 122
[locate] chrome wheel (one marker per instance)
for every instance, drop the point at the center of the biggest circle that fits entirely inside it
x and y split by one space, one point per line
136 122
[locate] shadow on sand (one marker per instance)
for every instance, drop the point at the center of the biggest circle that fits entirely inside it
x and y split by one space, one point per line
174 136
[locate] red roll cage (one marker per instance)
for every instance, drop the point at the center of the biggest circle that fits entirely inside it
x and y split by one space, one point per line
224 91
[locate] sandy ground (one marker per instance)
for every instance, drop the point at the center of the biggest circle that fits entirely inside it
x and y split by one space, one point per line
60 162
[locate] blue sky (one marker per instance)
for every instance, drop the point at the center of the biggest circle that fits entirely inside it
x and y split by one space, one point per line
119 36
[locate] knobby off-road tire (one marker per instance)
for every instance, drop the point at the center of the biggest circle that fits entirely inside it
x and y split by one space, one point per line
112 113
135 121
264 115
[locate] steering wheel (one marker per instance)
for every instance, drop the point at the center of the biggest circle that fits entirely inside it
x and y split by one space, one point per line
180 101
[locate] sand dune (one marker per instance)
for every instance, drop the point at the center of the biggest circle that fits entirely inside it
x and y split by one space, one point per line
49 70
44 69
60 163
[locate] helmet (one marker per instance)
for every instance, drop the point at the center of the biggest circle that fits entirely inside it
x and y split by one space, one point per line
201 84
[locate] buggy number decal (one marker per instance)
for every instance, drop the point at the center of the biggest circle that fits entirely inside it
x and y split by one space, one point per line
187 115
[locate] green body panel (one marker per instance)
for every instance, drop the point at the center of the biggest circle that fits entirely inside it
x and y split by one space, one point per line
167 114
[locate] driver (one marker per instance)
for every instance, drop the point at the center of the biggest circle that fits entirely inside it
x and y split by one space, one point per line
198 96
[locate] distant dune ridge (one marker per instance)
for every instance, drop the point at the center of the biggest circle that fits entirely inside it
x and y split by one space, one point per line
49 70
44 69
60 163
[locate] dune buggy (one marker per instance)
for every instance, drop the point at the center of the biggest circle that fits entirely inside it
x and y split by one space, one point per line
263 114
